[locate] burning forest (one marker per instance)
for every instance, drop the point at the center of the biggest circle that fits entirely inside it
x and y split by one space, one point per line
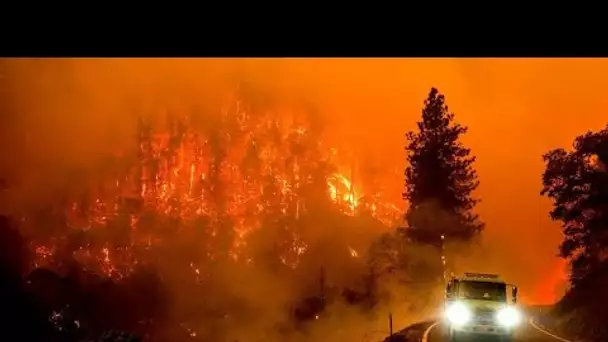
218 183
209 205
285 199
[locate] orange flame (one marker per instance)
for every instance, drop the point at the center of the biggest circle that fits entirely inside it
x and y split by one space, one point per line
184 175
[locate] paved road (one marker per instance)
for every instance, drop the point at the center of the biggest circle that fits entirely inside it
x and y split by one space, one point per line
432 332
526 333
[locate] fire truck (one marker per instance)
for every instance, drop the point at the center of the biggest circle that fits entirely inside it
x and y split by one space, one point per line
478 304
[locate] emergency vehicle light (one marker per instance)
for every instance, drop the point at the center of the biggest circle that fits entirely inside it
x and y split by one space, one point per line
481 275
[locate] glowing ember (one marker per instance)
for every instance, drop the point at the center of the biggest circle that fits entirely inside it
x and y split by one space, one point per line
44 252
353 252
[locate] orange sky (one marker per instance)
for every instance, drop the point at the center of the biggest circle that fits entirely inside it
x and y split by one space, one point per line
516 109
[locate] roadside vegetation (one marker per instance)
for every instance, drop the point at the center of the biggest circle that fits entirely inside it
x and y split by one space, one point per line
576 181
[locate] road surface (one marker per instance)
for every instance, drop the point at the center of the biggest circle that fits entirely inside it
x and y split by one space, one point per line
434 332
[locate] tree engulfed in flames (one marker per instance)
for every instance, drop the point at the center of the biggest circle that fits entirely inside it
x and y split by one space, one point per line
221 176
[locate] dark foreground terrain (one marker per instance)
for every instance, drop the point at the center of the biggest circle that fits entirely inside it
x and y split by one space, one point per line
433 331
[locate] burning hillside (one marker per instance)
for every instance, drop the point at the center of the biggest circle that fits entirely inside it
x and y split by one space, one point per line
212 182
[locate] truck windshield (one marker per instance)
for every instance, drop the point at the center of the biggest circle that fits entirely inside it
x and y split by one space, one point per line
482 290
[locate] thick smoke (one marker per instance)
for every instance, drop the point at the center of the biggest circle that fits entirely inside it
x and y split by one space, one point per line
61 117
67 117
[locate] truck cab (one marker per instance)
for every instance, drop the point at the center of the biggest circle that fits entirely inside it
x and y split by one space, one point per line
478 304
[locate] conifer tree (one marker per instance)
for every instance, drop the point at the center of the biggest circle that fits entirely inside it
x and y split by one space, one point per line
440 178
577 183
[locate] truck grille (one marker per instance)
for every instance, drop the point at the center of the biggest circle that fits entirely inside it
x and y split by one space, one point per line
484 316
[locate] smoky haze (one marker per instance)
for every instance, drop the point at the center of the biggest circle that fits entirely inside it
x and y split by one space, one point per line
63 115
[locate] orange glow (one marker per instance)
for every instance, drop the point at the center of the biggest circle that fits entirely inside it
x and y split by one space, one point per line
174 173
552 288
516 109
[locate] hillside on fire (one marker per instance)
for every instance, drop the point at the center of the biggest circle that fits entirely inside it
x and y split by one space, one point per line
245 226
246 200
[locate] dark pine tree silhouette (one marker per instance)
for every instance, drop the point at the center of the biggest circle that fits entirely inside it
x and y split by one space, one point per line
440 178
577 183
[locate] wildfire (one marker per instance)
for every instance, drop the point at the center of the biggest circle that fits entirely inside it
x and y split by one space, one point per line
341 191
43 255
219 179
353 252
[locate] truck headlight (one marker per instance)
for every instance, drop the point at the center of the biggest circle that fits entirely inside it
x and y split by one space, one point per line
508 316
458 314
